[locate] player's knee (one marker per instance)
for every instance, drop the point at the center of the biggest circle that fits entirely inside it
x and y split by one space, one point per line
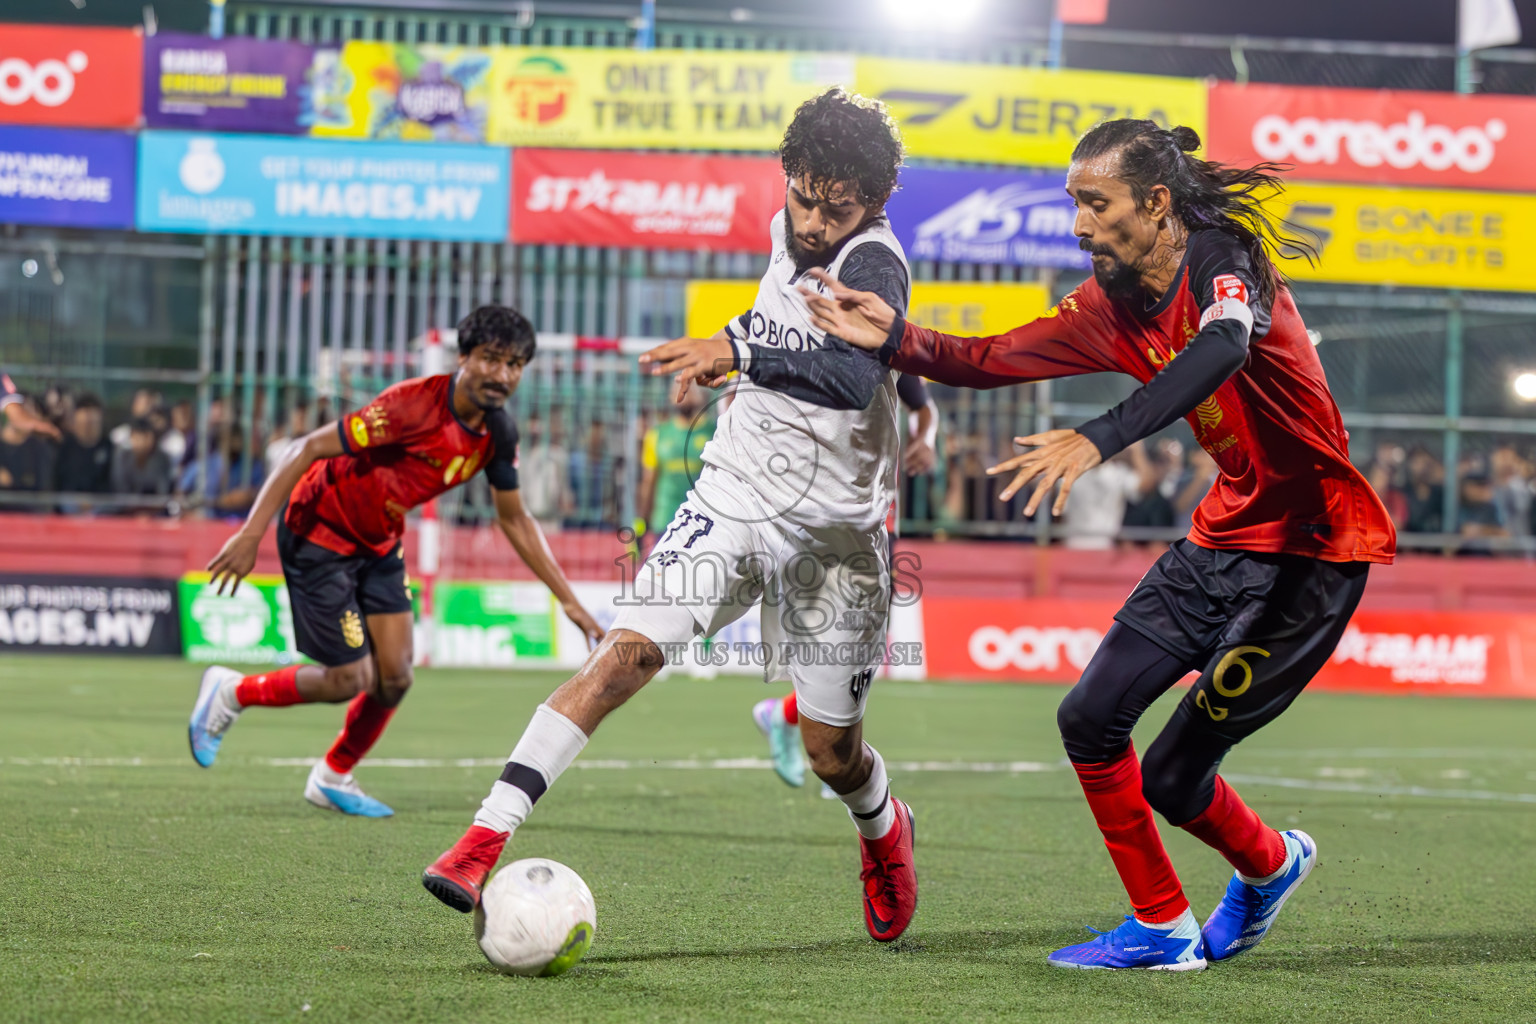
833 754
1083 732
393 684
347 681
1172 789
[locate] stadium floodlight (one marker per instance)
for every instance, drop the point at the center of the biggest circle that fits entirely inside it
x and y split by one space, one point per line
944 15
1525 386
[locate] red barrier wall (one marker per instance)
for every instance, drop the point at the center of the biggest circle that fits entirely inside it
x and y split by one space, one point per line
974 569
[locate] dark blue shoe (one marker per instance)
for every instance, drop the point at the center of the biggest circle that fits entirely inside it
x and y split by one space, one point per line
1134 945
1245 914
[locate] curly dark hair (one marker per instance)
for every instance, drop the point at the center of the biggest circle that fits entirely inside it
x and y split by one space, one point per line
497 325
838 136
1206 194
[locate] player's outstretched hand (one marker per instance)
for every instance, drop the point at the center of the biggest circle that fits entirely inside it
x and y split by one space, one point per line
702 361
862 319
1056 455
234 561
586 623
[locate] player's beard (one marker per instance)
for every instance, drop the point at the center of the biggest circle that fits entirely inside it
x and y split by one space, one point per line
804 259
1119 281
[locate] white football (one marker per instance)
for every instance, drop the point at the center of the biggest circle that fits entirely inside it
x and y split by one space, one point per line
536 917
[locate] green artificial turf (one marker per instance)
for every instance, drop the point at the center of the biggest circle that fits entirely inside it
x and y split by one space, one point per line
157 891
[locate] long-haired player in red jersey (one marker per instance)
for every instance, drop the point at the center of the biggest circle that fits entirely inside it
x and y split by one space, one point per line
1186 298
347 489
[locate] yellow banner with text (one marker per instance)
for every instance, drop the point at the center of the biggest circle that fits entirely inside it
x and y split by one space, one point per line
1430 238
956 307
655 99
1004 114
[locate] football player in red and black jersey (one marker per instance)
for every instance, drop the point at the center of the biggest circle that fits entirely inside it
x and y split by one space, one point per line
344 493
1186 298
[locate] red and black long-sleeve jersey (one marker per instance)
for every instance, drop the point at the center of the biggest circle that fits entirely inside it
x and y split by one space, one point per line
1247 379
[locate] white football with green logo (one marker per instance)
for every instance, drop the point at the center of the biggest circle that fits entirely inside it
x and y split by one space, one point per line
536 917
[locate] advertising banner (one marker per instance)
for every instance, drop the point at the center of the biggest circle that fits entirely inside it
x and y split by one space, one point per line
492 624
654 99
644 200
986 217
956 307
255 184
1377 135
423 93
1416 237
1398 652
70 77
64 176
88 614
231 84
252 626
1013 115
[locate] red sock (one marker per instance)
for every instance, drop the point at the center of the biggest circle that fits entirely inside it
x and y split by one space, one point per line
1231 827
1113 789
366 719
270 689
791 710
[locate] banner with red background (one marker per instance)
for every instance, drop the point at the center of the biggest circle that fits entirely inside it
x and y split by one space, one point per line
1378 135
70 77
1461 654
644 200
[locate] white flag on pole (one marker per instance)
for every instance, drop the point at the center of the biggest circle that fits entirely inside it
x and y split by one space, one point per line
1484 23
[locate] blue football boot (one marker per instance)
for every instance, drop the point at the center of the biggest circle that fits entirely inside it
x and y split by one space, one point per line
783 740
1136 946
1245 914
213 713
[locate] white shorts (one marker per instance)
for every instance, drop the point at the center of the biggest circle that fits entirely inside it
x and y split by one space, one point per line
825 594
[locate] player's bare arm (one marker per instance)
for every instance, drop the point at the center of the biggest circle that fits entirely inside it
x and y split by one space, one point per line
237 557
527 539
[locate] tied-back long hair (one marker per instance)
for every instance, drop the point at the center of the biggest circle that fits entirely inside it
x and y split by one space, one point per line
1206 194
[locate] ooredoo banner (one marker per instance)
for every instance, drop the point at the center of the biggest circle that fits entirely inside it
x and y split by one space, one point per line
1397 652
644 200
986 217
69 77
65 176
260 184
239 84
1377 135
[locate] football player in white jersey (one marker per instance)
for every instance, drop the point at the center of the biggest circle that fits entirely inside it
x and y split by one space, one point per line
789 512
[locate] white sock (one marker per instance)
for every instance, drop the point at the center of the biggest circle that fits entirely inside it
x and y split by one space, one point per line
1291 850
870 805
328 776
1184 927
549 745
227 695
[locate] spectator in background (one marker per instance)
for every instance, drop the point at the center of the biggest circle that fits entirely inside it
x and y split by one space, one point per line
1478 519
1425 493
287 436
85 458
1154 509
58 404
544 458
1387 474
26 455
142 469
593 474
145 401
1094 514
177 441
1512 474
228 492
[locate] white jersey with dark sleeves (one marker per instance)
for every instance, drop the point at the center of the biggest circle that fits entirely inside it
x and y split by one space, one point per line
809 464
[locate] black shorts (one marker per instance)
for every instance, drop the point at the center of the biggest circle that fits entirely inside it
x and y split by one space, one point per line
333 595
1257 627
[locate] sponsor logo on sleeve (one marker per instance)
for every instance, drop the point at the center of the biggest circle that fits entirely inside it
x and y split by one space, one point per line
359 432
1229 286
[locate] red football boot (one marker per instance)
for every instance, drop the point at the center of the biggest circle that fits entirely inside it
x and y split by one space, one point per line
458 875
890 880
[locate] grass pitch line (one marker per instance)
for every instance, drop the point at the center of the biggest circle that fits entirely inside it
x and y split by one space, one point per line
1332 786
